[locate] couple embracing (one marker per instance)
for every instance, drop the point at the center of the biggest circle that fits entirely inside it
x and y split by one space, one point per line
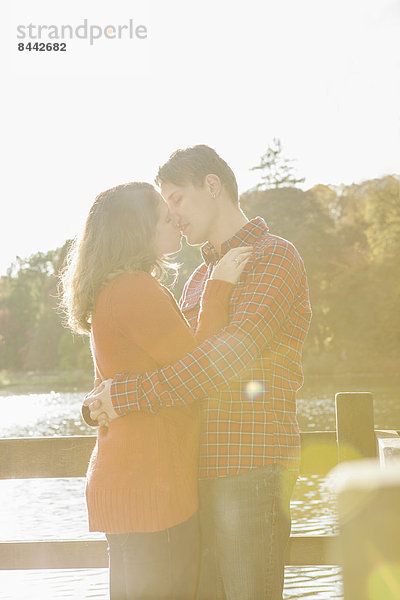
198 444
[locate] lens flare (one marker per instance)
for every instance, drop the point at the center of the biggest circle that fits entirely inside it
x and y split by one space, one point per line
384 582
254 389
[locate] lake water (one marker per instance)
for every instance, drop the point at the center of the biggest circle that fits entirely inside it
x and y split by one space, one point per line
54 508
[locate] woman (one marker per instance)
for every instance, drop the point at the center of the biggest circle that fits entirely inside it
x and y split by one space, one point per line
142 477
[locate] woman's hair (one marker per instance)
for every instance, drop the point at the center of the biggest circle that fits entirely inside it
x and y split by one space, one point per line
118 237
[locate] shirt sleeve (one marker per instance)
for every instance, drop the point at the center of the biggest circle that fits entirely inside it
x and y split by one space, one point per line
272 282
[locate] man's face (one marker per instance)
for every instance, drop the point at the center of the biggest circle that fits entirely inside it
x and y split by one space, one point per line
194 209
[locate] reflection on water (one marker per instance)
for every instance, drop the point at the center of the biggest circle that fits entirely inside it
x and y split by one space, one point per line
55 509
52 584
33 509
50 414
311 507
316 583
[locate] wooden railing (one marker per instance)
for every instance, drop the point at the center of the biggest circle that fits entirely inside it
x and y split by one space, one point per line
22 458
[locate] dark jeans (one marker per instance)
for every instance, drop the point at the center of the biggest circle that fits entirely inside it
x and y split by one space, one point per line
244 530
153 566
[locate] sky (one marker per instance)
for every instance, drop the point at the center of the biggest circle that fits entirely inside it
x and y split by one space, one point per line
321 75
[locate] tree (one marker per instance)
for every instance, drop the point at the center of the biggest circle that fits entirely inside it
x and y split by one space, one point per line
30 327
303 219
277 171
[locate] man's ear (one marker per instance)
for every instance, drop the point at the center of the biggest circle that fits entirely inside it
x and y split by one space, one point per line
213 184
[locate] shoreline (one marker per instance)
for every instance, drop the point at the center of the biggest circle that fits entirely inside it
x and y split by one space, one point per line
82 381
43 382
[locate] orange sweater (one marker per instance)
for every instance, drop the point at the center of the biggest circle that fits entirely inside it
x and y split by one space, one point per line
142 474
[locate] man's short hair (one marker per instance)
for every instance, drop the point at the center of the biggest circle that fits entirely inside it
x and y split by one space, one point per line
193 164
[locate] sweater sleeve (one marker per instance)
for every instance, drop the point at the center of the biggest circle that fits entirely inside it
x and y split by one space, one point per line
85 412
214 309
146 313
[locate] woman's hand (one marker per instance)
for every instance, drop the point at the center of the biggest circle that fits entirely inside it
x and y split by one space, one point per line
231 265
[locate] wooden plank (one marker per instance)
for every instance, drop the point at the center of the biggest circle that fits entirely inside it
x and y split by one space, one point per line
88 554
25 458
311 550
58 554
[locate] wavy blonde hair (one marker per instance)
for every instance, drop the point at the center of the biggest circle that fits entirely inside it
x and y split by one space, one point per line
118 237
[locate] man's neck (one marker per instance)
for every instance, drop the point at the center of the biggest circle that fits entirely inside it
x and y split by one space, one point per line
229 223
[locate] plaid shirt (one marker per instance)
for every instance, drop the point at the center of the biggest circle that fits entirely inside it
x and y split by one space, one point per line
248 374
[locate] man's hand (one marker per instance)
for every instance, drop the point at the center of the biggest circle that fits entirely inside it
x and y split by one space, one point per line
100 405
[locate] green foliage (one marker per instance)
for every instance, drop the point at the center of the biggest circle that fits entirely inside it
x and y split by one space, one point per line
74 352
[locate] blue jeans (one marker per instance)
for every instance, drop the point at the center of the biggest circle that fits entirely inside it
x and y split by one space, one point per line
155 566
244 530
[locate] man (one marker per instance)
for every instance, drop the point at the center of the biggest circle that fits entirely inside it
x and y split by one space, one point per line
250 450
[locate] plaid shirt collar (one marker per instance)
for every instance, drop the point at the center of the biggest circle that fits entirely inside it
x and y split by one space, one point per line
246 236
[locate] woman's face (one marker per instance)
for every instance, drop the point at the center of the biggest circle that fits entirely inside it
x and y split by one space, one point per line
168 238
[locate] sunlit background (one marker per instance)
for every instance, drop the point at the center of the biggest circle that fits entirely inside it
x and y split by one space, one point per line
323 76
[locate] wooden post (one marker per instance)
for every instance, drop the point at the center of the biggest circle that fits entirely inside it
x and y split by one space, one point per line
368 502
355 425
